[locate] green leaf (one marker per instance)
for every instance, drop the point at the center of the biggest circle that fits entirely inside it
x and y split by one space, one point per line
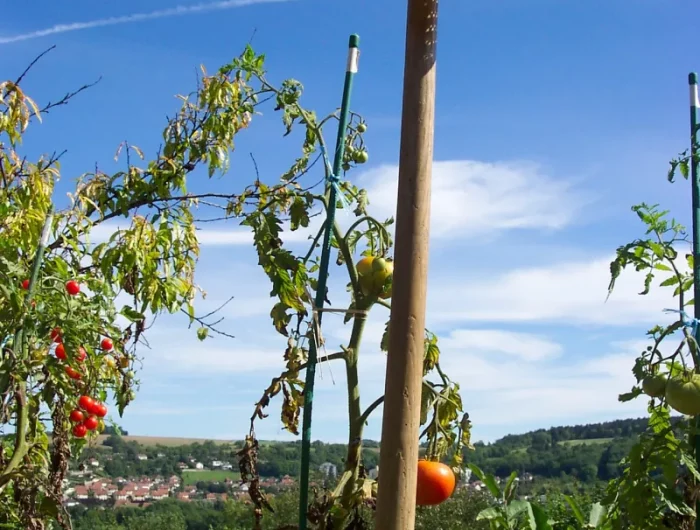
629 396
537 517
492 485
202 333
280 317
384 344
489 514
49 507
131 314
509 490
683 166
515 508
597 515
671 280
575 508
427 400
299 214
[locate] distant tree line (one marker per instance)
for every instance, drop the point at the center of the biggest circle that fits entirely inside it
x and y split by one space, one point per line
587 453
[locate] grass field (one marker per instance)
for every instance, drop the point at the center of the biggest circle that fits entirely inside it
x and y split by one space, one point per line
570 443
166 441
192 476
590 441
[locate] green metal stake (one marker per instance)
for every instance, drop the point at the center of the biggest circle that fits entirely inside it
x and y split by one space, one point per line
695 185
351 70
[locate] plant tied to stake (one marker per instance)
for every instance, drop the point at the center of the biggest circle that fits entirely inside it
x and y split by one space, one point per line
667 373
58 290
362 251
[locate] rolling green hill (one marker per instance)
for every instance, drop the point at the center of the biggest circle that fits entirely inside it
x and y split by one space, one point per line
587 453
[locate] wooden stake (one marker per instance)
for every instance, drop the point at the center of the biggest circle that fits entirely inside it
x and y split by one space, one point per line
396 504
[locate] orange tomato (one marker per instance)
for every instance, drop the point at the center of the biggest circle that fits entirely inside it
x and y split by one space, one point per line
436 483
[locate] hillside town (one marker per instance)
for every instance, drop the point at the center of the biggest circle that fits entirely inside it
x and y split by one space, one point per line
88 486
143 491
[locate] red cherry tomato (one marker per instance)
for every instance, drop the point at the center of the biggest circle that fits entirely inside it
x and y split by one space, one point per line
61 352
79 431
81 355
76 416
86 403
25 284
436 483
56 335
73 374
72 287
99 410
106 344
91 423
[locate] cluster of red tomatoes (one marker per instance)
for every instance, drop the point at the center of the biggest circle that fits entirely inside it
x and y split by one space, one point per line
86 416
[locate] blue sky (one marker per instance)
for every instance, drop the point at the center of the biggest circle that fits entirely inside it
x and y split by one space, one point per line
552 118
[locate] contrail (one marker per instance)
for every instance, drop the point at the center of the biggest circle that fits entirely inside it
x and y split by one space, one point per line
137 17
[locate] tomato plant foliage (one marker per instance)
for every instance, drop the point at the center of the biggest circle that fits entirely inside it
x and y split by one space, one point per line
362 253
659 484
66 298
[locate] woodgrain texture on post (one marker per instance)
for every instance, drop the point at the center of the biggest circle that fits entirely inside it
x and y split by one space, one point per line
396 504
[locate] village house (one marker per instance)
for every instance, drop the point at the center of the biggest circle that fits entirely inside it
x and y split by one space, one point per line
121 495
286 481
81 493
142 457
160 494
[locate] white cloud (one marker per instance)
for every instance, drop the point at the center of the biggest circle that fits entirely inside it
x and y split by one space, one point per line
469 199
472 198
545 393
524 346
148 409
569 292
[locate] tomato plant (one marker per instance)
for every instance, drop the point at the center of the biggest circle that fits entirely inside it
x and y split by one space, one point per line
363 254
667 373
56 287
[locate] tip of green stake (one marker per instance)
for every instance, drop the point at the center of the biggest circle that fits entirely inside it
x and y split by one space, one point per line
354 40
692 78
